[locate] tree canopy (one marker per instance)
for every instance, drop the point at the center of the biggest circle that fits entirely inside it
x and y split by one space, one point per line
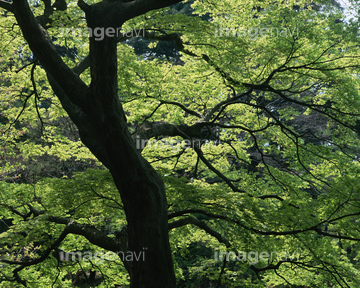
179 143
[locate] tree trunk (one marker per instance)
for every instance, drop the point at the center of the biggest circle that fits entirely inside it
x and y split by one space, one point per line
141 188
99 116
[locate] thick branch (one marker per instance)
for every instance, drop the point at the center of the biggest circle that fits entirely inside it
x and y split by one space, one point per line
81 66
92 234
6 5
148 130
42 47
115 13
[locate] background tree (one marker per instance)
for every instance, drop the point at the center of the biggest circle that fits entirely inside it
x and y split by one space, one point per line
255 113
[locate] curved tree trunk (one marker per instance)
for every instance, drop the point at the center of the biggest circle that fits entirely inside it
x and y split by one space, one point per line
141 188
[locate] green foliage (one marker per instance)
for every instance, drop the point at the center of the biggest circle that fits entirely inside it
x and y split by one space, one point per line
290 149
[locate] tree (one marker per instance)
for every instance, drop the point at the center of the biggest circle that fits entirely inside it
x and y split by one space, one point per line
251 172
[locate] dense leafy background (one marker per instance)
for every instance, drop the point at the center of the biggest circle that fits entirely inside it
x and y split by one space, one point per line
296 141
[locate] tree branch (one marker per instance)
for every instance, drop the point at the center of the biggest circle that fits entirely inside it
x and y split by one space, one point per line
82 65
92 234
42 258
42 47
183 107
6 5
314 228
201 224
